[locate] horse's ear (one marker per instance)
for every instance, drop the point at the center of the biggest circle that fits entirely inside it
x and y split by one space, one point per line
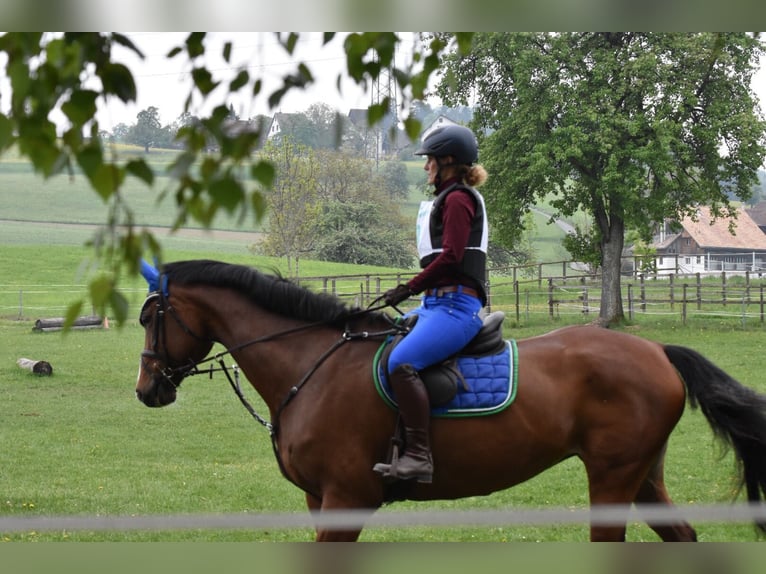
151 274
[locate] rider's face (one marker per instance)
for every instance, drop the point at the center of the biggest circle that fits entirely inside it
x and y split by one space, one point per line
432 168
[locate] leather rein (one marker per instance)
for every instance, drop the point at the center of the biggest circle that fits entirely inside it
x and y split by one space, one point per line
176 375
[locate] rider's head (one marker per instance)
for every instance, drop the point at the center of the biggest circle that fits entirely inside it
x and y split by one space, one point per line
453 148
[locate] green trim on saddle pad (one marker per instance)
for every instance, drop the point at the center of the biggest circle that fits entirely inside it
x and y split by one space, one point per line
455 412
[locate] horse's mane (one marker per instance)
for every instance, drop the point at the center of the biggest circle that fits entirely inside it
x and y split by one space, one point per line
272 292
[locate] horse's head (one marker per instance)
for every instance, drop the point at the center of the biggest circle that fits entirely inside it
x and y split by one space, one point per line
172 349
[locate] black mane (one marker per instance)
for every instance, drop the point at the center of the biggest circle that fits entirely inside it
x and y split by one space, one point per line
271 292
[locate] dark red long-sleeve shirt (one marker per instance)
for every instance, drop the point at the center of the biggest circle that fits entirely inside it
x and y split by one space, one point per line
457 213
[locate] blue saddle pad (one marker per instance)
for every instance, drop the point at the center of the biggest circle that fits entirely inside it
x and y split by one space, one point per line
491 382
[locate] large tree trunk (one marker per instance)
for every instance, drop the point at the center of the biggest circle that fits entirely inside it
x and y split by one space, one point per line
611 264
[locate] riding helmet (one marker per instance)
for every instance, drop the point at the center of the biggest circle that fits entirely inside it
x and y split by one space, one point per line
457 141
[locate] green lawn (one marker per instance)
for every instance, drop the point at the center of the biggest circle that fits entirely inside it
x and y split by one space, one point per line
79 443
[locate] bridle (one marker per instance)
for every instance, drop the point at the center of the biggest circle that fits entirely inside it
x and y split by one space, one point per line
175 375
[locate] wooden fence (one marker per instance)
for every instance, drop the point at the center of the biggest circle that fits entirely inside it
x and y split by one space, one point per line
532 294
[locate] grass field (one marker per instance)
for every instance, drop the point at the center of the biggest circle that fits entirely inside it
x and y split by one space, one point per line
79 443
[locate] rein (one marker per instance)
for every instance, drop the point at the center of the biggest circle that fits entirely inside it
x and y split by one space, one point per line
192 368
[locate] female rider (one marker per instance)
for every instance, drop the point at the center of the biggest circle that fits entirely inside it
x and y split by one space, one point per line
452 245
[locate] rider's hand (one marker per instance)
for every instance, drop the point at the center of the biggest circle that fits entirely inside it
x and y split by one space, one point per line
397 294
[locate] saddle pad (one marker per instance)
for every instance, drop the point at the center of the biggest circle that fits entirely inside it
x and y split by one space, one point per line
491 381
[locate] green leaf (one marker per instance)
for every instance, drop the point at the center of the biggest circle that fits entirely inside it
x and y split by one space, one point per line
412 126
73 311
227 193
195 45
100 289
140 169
264 173
90 158
81 106
203 79
259 205
241 80
6 132
119 305
117 79
126 42
107 179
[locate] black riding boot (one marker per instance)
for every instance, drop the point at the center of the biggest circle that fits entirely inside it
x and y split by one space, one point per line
415 410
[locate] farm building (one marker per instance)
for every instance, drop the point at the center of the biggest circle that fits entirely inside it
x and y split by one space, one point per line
704 244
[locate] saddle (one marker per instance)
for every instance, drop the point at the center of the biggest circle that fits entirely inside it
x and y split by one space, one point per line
442 380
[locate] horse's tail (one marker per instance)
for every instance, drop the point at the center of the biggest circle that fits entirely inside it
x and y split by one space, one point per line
736 413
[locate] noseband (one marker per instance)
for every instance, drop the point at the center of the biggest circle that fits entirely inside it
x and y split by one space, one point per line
159 337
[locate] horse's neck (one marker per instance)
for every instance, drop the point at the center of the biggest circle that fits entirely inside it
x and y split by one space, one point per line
273 352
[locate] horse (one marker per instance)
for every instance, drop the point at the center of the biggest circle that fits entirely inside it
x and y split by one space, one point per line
608 397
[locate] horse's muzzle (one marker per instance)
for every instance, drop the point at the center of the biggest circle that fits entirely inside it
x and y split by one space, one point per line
161 392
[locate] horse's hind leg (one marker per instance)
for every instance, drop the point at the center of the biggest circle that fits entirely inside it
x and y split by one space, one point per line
653 491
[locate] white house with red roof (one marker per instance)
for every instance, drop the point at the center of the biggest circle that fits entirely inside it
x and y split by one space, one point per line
705 244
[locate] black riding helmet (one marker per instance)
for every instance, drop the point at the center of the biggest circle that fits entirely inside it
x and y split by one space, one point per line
454 140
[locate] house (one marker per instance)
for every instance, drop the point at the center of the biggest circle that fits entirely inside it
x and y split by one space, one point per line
706 245
439 122
283 122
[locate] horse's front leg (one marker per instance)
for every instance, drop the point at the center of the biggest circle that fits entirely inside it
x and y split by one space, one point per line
350 516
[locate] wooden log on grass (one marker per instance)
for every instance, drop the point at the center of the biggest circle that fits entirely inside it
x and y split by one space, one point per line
42 368
57 323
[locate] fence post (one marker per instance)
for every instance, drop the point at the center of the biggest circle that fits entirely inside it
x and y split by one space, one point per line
723 288
585 308
671 279
516 292
699 292
630 301
643 293
761 298
21 303
683 313
550 297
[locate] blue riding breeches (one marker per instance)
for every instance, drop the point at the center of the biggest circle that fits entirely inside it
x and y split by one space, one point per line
446 323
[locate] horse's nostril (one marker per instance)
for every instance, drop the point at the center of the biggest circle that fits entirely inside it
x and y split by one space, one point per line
140 396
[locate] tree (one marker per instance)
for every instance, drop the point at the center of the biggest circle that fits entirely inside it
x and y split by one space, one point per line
148 131
631 127
327 126
292 202
362 233
72 71
395 181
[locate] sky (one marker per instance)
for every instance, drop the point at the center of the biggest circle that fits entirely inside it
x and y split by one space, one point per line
164 84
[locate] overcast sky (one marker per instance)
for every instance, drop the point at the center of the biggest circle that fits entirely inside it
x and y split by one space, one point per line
165 83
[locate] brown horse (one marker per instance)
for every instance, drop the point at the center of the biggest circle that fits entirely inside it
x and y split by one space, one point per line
609 398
